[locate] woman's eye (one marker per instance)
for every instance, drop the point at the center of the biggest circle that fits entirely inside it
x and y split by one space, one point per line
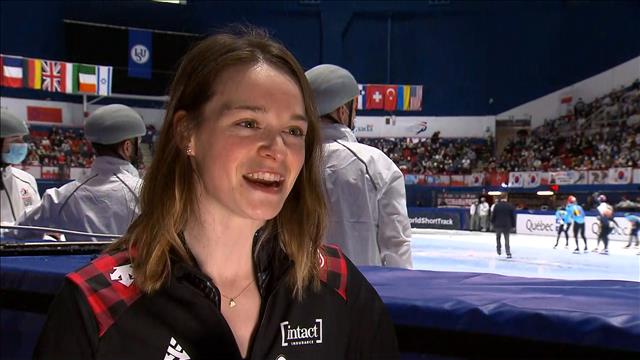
249 124
296 131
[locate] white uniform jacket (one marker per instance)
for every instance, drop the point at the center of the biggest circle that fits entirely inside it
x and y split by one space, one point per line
19 194
103 202
367 201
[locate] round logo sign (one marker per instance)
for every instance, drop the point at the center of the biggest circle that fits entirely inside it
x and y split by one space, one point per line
140 54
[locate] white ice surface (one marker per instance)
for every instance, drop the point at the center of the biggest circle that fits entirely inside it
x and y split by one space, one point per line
533 256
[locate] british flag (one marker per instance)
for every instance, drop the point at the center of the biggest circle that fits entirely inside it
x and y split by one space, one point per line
54 76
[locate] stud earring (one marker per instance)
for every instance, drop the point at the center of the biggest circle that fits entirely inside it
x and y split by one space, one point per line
189 151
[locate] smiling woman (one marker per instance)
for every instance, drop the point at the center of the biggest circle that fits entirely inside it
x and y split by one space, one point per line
225 259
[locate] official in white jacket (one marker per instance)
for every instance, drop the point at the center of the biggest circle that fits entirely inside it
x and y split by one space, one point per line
365 189
106 200
19 192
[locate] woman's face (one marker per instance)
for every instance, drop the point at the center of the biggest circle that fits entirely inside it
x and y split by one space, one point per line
250 147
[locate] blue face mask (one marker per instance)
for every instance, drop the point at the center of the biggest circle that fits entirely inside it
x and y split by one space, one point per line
17 153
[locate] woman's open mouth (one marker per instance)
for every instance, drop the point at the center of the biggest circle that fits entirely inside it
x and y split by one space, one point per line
265 180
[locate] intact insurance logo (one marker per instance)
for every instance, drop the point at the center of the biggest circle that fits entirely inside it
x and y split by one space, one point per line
301 335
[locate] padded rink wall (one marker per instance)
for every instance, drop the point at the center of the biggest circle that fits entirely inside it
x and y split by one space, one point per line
530 222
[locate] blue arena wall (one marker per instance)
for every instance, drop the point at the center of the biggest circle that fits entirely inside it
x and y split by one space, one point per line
463 52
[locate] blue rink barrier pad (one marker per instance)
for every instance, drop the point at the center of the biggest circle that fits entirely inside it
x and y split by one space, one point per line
592 314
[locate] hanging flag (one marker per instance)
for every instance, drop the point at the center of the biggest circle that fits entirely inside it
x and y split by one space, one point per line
375 97
140 53
532 179
361 97
71 78
12 73
415 101
44 114
104 80
516 179
390 97
620 175
54 76
406 94
87 80
33 71
400 101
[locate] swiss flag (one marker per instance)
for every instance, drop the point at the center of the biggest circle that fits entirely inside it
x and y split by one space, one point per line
375 97
390 97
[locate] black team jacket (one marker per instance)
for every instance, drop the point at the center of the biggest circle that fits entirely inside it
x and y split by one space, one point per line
101 314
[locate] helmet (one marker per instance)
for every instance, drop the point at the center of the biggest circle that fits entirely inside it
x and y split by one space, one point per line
332 87
602 198
11 125
112 124
571 199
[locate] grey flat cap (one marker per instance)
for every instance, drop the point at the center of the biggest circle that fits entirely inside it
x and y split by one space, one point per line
332 87
11 125
112 124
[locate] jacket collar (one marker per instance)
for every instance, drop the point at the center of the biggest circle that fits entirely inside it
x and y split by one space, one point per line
7 172
108 165
333 131
270 263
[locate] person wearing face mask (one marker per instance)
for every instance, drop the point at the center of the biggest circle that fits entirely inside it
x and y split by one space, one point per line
365 189
19 192
106 200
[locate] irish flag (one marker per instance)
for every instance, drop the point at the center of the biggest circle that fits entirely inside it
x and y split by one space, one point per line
87 80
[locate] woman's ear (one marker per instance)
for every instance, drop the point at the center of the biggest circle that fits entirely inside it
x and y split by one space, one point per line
184 133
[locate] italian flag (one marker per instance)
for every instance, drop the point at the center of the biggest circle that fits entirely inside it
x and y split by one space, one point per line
83 79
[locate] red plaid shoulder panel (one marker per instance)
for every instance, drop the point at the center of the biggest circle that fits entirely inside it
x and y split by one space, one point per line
333 268
108 284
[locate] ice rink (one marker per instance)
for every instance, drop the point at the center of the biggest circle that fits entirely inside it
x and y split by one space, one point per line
533 256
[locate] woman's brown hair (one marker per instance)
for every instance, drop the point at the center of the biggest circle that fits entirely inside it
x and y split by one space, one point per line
168 195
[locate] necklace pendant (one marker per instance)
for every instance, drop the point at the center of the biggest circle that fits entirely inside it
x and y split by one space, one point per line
232 303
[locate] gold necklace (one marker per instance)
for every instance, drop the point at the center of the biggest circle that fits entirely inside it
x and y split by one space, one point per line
232 300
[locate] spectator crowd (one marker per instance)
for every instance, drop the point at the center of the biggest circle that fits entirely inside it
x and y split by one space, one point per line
598 135
55 146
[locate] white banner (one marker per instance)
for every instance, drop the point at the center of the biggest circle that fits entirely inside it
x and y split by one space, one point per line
536 224
592 228
598 176
475 179
438 180
636 176
546 225
532 179
425 126
516 179
457 180
568 177
620 175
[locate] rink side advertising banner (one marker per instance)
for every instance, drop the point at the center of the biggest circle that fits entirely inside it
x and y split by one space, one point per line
546 225
434 219
424 126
